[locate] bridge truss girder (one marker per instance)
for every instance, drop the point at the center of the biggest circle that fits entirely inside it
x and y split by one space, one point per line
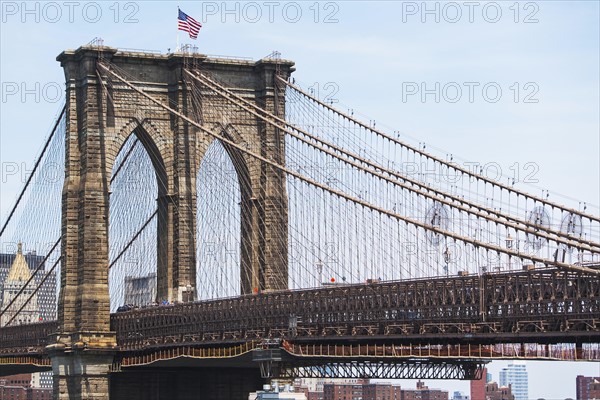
406 369
275 363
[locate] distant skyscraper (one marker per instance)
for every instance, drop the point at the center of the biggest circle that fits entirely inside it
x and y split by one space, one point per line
46 294
23 310
140 290
15 271
516 376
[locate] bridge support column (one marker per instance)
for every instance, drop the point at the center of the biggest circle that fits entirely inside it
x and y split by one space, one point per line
164 283
184 214
84 347
265 219
81 374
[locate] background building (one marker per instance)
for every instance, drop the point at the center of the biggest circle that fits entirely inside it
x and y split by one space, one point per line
310 384
495 392
18 387
19 308
347 389
515 375
380 391
285 392
459 396
343 391
587 387
140 290
361 390
15 271
46 295
422 392
478 386
594 390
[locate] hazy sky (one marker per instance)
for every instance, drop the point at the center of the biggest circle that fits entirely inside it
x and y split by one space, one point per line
489 82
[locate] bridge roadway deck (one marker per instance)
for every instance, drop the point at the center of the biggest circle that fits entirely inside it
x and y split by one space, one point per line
541 314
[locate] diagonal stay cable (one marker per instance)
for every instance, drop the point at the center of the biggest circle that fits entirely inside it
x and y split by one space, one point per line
355 161
124 160
353 199
138 233
35 167
441 161
58 241
56 263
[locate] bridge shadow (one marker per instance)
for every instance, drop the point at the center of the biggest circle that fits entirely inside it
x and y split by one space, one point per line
181 382
16 369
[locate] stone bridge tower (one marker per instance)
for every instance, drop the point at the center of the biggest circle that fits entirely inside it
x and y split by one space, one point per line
100 118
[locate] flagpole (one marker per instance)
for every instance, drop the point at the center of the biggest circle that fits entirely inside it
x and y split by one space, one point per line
177 40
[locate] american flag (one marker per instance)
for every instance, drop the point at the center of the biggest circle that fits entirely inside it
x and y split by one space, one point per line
188 24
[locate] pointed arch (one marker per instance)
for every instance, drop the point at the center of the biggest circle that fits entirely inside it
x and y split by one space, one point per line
241 162
218 221
148 136
137 179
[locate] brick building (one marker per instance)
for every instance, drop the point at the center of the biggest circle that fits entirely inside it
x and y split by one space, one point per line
357 389
422 392
594 390
364 390
587 387
12 392
15 271
18 387
478 386
381 391
342 391
493 391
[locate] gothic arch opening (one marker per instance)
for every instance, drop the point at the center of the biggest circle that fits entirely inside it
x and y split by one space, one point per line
222 182
137 180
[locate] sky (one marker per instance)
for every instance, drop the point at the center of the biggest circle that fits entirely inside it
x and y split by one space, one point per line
510 83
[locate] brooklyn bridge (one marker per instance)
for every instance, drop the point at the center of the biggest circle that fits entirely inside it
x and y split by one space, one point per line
216 225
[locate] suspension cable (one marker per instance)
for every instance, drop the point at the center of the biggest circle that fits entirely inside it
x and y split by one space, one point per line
35 167
529 229
353 199
436 159
133 239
